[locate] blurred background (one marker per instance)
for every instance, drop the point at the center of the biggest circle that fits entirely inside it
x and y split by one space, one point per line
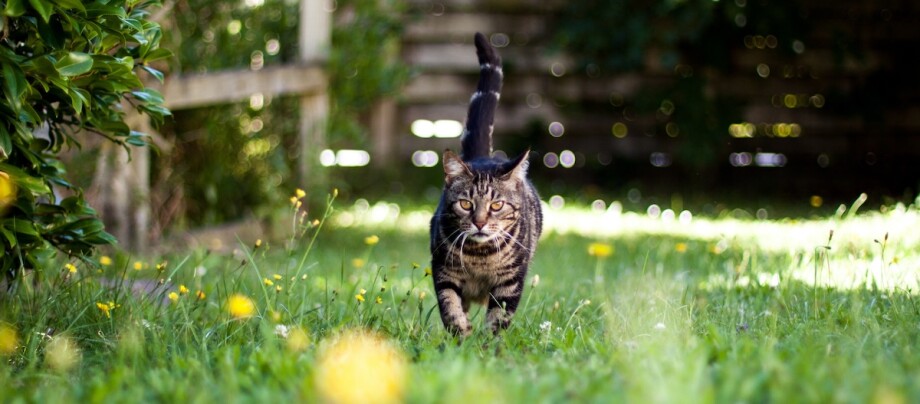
777 108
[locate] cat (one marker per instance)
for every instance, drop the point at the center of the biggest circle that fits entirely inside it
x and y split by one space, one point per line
484 232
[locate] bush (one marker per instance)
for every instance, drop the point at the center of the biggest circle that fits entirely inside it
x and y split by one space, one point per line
70 68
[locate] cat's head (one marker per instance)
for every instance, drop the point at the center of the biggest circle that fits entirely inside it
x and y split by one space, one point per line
484 197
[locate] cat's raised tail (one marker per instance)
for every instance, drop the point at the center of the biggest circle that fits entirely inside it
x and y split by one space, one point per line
477 135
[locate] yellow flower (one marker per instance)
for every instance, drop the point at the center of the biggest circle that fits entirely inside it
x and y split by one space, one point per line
161 266
360 367
278 289
183 290
258 243
138 265
71 268
357 263
600 250
106 308
298 204
105 260
268 282
371 240
200 295
359 297
174 297
421 295
335 192
378 300
299 193
9 341
293 201
428 271
240 306
680 247
363 291
7 191
277 277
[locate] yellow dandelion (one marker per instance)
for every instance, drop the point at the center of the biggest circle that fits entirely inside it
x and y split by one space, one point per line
378 300
371 240
358 367
363 291
278 288
421 295
298 204
415 265
600 250
200 295
138 265
427 271
183 290
105 308
268 282
359 298
298 340
293 201
357 263
299 193
680 247
9 341
71 268
258 243
173 297
161 266
105 260
240 306
277 277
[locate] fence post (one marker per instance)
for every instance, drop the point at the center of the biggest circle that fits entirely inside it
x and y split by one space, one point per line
314 41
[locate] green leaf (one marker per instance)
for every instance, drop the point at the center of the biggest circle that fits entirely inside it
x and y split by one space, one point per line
43 7
154 72
148 95
74 64
157 54
6 143
15 84
70 4
14 8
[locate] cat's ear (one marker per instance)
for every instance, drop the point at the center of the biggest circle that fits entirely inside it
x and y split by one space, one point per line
517 168
454 166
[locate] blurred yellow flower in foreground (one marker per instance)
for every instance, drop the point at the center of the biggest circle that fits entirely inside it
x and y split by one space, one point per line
105 260
62 354
138 265
357 263
358 367
371 240
71 268
173 297
600 250
681 247
299 193
9 341
240 306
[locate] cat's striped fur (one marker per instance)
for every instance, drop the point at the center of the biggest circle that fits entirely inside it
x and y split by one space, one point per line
486 227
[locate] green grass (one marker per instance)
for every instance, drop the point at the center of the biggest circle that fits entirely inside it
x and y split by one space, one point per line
708 311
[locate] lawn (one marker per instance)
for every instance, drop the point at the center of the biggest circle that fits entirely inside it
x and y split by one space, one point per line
619 306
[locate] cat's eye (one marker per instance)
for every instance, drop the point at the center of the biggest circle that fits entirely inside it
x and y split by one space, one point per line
496 206
466 205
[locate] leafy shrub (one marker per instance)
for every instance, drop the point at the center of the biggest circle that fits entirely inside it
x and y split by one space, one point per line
70 68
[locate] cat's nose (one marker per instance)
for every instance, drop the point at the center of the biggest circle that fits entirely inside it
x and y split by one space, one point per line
479 225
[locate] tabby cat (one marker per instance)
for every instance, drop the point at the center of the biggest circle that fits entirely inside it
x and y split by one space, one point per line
486 227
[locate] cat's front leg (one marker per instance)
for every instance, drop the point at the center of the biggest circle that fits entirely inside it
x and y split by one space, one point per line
450 303
503 302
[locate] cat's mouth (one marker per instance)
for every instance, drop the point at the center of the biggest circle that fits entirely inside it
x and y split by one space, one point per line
479 237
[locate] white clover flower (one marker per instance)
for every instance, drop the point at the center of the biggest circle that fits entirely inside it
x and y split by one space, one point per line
546 326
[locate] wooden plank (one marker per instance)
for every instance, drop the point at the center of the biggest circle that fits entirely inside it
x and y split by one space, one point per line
191 91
